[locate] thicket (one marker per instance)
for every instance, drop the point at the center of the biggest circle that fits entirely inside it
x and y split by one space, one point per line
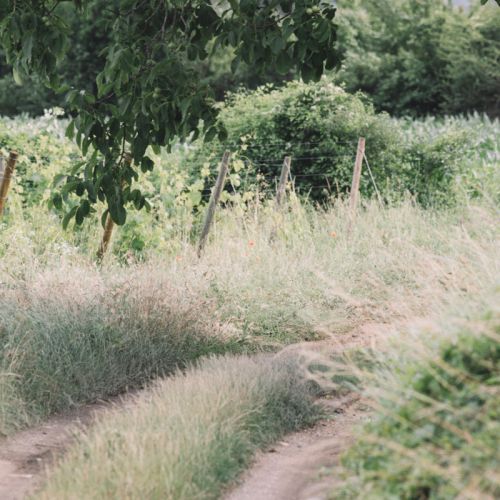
436 430
421 57
318 125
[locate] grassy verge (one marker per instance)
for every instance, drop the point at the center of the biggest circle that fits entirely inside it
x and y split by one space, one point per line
71 332
436 427
189 436
74 334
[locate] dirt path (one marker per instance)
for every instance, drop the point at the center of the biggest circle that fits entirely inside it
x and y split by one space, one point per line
295 469
25 456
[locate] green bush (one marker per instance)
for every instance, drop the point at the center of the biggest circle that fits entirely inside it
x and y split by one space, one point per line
43 151
433 159
421 57
45 154
319 125
437 435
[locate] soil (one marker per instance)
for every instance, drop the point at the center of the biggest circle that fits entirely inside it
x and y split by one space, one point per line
25 456
300 467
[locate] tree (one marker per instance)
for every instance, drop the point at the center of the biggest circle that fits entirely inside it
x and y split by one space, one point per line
421 57
147 92
83 60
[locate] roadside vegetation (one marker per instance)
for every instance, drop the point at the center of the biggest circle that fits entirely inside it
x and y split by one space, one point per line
436 400
72 332
197 334
187 437
446 161
190 435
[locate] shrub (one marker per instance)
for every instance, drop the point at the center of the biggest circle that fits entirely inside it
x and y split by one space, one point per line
43 151
319 125
436 433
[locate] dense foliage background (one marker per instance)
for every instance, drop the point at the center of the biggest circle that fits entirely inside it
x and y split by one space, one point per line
422 57
436 161
412 57
318 125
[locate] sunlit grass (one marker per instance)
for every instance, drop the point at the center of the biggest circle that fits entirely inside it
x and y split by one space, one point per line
72 332
189 436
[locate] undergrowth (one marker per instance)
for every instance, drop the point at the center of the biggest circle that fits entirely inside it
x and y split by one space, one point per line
435 432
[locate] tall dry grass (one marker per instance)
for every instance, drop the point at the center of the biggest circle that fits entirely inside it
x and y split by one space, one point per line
189 436
71 332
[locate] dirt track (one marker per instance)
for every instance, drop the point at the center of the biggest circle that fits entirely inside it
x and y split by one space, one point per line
295 468
292 470
25 456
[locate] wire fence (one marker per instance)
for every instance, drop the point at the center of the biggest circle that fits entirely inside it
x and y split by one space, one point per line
266 175
262 173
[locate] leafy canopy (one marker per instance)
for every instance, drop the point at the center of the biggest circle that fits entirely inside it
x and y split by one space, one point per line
148 91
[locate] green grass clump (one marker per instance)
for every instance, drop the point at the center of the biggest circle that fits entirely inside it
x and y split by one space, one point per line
437 430
74 335
188 437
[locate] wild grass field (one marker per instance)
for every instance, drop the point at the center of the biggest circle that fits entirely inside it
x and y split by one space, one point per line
73 331
321 344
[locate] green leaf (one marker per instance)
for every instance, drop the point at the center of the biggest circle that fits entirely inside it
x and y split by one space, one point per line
27 46
70 130
67 218
117 211
210 134
283 63
17 76
147 164
57 201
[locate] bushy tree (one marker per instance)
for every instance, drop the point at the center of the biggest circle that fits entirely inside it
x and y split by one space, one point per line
148 90
418 57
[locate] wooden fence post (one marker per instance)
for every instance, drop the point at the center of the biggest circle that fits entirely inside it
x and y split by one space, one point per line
109 225
214 200
280 193
6 176
356 177
285 172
